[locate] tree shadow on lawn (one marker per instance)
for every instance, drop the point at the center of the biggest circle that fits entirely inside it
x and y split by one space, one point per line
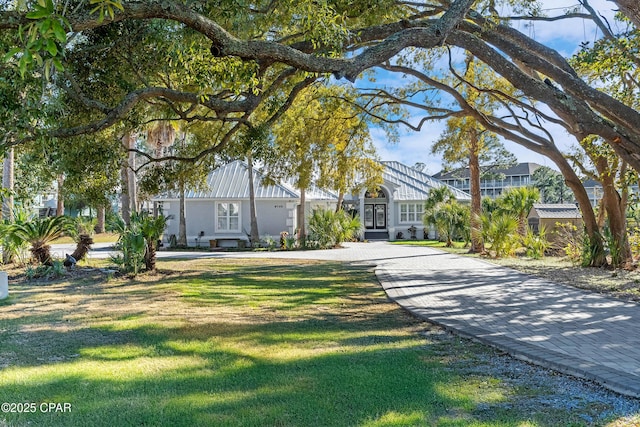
308 372
147 352
213 375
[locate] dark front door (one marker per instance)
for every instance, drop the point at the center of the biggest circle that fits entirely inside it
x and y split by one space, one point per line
375 216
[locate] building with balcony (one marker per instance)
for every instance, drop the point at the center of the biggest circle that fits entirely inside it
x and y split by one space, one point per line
516 176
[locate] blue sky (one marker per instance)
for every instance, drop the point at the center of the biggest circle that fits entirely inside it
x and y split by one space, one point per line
564 36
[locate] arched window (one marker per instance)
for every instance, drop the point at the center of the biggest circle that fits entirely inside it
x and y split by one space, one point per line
376 194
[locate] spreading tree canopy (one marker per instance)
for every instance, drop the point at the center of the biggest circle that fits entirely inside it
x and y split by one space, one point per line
224 60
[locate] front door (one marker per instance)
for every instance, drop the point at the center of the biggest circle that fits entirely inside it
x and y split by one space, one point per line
375 216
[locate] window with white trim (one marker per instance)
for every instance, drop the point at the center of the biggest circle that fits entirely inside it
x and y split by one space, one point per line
228 216
411 212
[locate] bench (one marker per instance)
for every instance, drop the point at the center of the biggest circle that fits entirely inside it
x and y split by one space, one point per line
220 242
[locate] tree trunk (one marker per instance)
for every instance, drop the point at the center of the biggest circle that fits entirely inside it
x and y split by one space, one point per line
598 256
7 203
101 215
302 229
150 256
477 244
182 220
620 250
60 201
132 182
82 247
631 9
125 201
340 201
255 233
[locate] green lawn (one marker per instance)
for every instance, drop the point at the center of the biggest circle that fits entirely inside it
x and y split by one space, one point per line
97 238
248 343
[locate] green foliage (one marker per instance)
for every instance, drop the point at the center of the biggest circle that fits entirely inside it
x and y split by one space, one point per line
536 244
612 61
328 228
138 243
614 245
39 232
517 202
450 218
106 8
634 241
48 272
551 185
499 230
575 244
13 245
85 225
132 246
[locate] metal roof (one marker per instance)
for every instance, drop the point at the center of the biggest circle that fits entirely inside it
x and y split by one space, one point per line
412 184
549 210
231 181
518 170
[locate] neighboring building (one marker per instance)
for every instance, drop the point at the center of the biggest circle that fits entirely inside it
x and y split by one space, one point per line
594 191
549 215
221 211
516 176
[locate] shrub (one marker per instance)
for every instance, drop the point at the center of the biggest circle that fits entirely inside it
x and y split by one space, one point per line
499 230
132 246
138 243
573 242
536 244
450 219
53 271
328 228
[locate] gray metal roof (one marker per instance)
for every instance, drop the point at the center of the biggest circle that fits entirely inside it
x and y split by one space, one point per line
520 169
550 210
231 181
412 184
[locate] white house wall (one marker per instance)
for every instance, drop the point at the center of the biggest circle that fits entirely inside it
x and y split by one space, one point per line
275 216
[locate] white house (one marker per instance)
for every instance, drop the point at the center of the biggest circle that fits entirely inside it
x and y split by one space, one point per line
221 211
395 210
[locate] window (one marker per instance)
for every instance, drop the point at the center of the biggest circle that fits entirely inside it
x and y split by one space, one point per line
228 217
411 212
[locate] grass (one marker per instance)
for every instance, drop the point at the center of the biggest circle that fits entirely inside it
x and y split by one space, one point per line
97 238
240 343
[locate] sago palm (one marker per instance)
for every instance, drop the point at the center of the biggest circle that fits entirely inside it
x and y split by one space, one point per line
40 232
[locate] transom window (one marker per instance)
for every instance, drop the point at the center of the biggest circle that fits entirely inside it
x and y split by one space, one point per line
228 216
377 194
411 212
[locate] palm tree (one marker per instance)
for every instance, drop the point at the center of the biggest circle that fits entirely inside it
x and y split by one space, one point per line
442 210
40 232
518 201
151 229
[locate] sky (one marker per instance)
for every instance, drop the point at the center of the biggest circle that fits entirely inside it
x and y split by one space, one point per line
564 36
